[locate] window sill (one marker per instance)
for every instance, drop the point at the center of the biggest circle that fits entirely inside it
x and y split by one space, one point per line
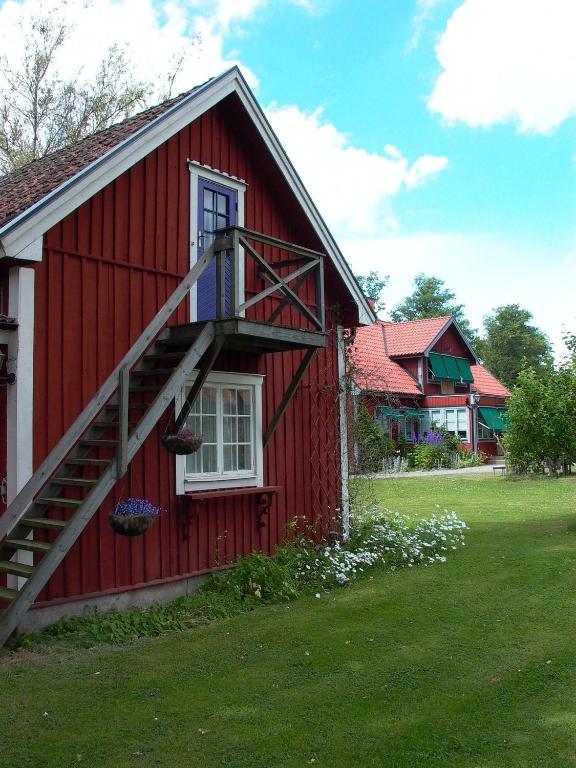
264 497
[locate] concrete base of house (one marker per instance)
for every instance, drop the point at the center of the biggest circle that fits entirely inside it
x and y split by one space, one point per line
42 616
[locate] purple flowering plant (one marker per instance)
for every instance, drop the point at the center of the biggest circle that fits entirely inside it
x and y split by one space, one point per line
136 508
434 438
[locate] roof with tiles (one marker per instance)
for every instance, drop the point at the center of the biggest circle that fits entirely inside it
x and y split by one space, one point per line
373 369
487 384
412 337
28 185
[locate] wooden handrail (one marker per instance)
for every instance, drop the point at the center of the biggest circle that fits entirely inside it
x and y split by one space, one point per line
231 239
18 507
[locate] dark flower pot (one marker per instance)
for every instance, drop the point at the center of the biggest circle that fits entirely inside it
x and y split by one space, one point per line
130 525
182 443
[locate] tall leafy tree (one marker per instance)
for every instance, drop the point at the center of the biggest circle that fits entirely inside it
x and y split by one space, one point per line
41 110
542 421
372 286
430 298
511 343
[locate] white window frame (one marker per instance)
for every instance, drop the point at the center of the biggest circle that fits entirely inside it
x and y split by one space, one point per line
244 479
197 172
482 431
438 416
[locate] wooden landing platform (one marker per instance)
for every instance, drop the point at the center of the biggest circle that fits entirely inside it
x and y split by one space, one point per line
249 336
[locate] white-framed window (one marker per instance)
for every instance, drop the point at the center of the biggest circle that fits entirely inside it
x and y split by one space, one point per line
455 420
227 414
484 433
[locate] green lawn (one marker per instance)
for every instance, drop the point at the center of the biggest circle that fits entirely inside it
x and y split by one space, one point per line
470 664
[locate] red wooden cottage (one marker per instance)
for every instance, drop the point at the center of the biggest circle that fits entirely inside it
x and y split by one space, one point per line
414 374
172 259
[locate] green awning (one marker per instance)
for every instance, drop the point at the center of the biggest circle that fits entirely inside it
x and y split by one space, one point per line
493 418
437 365
391 413
450 368
414 413
464 368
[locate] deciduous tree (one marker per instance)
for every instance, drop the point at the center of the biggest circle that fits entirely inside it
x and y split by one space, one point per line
431 299
372 286
511 343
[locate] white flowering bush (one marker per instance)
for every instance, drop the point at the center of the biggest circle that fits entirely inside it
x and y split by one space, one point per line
388 539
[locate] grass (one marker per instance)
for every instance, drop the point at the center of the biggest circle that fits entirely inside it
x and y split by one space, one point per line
470 664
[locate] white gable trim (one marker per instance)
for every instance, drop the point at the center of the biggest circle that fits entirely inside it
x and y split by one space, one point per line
32 223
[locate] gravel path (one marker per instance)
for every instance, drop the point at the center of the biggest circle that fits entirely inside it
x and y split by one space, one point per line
485 468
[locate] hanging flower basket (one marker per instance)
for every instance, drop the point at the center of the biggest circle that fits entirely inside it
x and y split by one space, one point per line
133 517
182 442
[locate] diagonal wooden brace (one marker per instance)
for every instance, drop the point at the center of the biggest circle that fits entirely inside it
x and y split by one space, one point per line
288 395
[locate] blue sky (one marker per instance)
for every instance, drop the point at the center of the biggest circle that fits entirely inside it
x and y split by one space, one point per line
435 136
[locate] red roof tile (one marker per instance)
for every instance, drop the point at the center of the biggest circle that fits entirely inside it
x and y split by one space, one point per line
372 368
412 337
487 384
28 185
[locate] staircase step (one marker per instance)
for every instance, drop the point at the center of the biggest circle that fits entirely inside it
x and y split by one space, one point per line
99 442
88 462
105 424
139 406
73 481
155 372
18 569
8 594
44 522
58 501
164 356
29 544
145 389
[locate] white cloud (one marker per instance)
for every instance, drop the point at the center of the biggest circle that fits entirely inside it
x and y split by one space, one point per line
351 186
508 61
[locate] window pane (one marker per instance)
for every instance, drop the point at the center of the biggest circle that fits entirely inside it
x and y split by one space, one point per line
209 458
222 207
229 400
209 400
221 222
244 401
462 419
208 222
209 429
244 431
193 422
244 457
194 463
230 429
230 458
451 421
208 199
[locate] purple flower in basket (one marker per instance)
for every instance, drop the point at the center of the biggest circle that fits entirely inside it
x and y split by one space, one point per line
136 508
182 442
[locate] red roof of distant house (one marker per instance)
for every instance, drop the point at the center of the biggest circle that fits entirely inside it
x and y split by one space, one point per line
28 185
373 369
486 384
412 337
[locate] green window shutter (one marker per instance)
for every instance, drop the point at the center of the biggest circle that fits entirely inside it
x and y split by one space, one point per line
464 368
391 413
437 365
414 413
452 369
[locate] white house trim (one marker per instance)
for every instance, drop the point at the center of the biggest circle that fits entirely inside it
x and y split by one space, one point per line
20 395
343 413
22 230
197 172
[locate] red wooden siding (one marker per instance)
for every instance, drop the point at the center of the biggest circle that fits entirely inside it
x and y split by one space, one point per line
107 269
450 343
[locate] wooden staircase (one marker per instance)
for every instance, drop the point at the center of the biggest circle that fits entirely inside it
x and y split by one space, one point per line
68 488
